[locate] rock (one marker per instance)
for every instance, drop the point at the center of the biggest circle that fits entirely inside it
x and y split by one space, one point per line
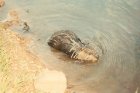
26 27
50 82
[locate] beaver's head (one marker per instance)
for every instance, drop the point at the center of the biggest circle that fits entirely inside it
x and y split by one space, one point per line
64 41
55 42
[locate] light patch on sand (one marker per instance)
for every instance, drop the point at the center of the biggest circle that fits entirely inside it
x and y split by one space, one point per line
50 82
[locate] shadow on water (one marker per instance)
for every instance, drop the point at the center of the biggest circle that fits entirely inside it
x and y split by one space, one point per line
109 25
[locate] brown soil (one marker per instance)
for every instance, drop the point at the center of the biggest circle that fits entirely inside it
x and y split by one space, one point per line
25 71
2 3
21 61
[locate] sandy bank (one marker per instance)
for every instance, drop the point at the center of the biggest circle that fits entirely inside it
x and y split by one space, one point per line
22 71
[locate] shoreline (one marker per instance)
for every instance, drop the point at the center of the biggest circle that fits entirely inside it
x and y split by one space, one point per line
20 68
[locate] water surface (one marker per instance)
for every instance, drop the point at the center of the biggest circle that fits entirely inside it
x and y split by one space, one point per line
108 25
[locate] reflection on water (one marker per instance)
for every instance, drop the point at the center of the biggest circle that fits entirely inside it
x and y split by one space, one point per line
111 25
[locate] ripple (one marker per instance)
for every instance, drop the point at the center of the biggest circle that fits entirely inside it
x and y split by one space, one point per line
108 25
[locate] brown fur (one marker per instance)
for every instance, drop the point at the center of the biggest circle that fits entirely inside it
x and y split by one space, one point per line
68 42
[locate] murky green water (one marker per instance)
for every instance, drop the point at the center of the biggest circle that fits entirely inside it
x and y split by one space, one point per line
111 25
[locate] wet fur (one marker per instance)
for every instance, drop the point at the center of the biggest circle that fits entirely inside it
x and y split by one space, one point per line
68 42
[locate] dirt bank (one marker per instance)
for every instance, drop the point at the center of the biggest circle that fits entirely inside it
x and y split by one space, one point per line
22 71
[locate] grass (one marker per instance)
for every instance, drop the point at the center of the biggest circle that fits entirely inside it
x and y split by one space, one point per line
4 69
17 67
9 81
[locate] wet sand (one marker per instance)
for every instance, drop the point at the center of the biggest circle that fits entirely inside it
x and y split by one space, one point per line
24 71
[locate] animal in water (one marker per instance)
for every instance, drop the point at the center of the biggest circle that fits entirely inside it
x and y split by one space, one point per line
69 43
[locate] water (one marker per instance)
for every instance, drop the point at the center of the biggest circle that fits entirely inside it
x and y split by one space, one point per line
109 25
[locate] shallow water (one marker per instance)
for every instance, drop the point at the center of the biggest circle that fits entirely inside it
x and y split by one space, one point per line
108 25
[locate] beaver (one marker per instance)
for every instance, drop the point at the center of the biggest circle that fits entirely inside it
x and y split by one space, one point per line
69 43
